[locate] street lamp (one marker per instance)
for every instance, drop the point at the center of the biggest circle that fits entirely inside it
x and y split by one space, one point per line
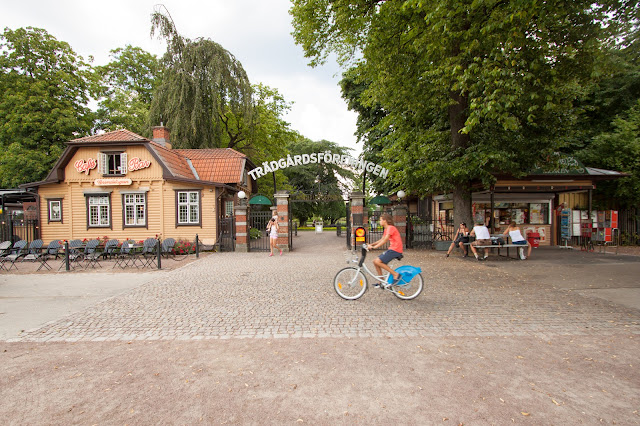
401 194
241 197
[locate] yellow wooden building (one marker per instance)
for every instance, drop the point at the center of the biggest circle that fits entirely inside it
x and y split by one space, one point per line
124 186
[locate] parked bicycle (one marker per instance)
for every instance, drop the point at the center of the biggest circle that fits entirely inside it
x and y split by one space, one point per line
351 282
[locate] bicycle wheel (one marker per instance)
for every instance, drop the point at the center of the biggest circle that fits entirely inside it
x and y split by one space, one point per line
350 283
411 290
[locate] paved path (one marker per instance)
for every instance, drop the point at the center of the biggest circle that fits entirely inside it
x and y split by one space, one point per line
245 338
252 295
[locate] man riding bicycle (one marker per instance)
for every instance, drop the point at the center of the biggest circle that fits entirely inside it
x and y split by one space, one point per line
392 235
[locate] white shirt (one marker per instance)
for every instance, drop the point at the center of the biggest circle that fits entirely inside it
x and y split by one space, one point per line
482 232
516 235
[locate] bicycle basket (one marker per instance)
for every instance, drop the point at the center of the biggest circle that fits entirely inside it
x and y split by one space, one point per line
407 272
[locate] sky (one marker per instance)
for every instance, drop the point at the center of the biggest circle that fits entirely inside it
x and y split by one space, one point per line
256 32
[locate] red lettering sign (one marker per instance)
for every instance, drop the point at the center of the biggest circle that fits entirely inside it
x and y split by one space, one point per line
84 167
136 164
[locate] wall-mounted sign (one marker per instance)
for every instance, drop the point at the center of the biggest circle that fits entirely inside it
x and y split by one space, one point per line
136 164
112 182
85 166
318 157
360 235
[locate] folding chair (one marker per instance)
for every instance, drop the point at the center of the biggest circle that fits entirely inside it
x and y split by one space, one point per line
34 252
5 250
52 250
123 257
74 246
110 249
167 247
16 252
149 253
91 254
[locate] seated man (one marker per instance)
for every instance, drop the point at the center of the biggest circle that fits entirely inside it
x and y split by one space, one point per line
483 238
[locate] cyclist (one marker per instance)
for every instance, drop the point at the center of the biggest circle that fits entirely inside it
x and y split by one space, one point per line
392 235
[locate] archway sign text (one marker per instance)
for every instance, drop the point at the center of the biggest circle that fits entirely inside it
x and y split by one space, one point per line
318 157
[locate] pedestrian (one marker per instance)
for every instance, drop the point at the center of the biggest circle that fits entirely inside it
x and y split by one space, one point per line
516 236
273 228
392 235
483 238
459 239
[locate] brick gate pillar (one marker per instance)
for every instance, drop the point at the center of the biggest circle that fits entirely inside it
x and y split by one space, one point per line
358 214
242 228
282 206
399 214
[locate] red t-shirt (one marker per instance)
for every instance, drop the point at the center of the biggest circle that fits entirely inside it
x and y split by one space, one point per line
395 241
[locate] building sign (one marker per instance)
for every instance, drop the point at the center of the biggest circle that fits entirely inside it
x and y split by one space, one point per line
360 235
85 166
136 164
112 182
315 158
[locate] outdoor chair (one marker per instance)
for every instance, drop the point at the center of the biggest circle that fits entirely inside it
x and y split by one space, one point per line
149 253
91 254
52 250
167 247
5 250
74 252
16 252
34 252
124 255
110 249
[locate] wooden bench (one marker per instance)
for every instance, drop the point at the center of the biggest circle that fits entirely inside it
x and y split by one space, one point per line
520 254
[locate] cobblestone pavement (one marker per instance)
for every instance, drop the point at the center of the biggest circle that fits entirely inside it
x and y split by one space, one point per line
251 295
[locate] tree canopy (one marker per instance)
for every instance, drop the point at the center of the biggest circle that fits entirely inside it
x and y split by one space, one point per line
467 87
45 88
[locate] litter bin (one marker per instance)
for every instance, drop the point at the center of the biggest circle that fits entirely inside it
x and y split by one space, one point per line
534 239
319 227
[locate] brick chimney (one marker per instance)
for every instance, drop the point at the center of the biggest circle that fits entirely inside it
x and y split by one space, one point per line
161 136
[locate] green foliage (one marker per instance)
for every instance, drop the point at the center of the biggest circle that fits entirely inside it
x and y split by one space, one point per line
468 88
205 97
255 233
129 81
44 91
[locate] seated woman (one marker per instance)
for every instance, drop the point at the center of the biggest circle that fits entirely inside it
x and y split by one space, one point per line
461 237
516 236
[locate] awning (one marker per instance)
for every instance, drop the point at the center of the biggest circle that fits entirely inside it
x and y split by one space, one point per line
260 200
380 199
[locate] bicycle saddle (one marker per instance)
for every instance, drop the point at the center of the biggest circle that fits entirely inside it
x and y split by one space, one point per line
400 257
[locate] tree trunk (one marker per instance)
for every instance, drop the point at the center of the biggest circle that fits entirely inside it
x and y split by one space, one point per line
460 141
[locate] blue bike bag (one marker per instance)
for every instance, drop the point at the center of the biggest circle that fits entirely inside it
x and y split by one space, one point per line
407 272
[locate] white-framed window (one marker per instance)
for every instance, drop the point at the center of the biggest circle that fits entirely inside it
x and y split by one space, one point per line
55 210
112 163
228 208
99 211
188 205
135 209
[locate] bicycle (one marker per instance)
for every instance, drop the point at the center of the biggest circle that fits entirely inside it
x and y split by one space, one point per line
351 283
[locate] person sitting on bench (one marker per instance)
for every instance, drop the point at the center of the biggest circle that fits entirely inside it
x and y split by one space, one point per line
516 236
461 237
483 238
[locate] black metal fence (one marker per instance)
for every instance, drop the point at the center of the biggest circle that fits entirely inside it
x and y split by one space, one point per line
629 226
226 234
15 228
423 232
258 234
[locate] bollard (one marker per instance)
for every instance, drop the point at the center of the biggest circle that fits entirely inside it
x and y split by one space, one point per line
66 255
159 252
197 247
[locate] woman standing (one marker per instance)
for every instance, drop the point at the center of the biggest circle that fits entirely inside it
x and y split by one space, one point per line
461 237
273 228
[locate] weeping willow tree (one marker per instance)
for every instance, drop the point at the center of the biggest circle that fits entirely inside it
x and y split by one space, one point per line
205 97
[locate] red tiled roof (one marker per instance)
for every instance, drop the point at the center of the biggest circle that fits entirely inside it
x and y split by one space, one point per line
175 162
115 136
223 165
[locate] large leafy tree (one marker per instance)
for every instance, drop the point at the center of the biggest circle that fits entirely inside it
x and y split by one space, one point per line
45 88
129 81
205 96
469 87
319 184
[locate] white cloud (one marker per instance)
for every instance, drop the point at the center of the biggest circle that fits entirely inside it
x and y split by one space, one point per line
257 32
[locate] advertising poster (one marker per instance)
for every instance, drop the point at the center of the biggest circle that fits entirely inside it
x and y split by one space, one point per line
536 214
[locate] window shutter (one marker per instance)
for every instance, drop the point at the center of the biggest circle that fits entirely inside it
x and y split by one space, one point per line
123 163
102 164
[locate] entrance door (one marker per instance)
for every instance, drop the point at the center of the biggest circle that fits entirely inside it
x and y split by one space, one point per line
258 234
